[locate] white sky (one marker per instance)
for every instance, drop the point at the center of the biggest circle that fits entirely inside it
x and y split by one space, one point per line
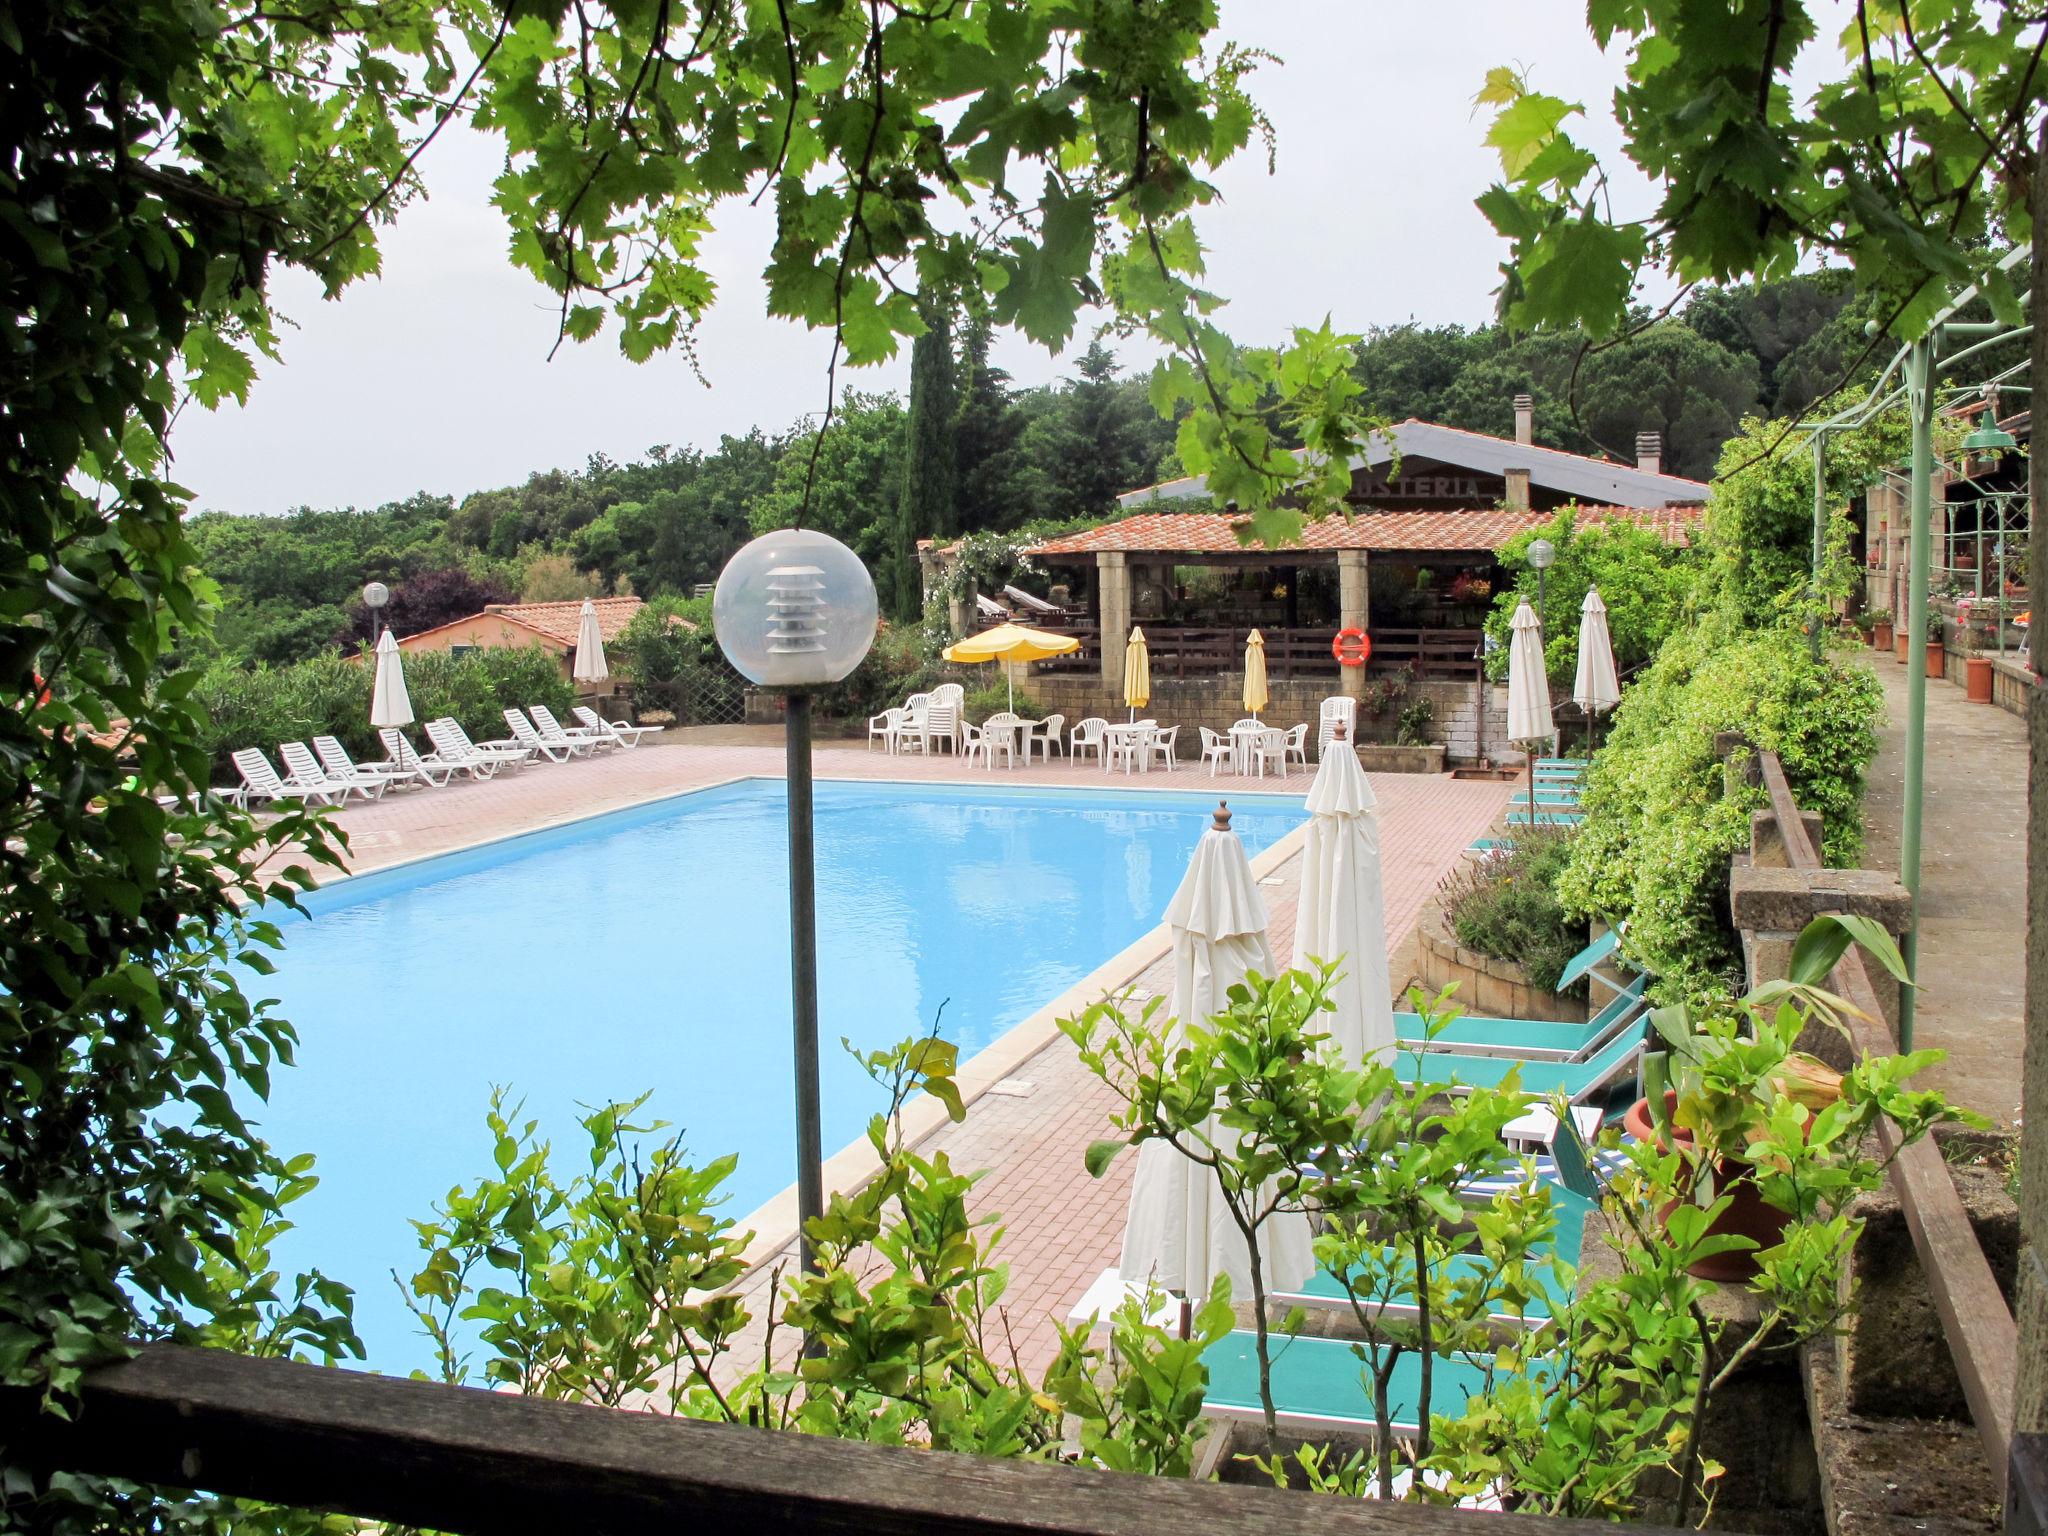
435 375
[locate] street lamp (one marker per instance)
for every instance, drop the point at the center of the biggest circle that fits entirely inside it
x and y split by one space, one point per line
1542 555
375 596
794 611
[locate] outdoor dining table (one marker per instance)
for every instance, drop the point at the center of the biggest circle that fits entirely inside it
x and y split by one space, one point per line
1139 734
1243 738
1020 752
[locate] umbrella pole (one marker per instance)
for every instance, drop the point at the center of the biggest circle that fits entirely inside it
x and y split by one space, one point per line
1530 758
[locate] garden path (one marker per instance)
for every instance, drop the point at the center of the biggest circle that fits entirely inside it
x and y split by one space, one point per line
1973 883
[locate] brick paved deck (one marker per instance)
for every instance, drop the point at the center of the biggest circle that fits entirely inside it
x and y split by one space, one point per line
1029 1132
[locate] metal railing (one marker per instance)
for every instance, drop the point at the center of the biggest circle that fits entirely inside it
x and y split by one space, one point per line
1199 651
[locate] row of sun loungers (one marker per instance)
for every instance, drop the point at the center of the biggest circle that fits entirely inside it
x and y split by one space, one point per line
325 774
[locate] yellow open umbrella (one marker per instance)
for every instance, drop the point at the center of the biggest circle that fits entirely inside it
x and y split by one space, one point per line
1256 697
1010 642
1137 672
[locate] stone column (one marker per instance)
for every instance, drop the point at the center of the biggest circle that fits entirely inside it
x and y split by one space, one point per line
1354 610
2030 1306
1114 583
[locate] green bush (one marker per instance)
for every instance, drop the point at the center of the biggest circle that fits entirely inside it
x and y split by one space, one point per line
1508 906
995 698
1414 726
329 695
1661 820
655 649
894 668
1645 583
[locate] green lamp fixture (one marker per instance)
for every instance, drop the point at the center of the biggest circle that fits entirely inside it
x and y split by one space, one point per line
1989 438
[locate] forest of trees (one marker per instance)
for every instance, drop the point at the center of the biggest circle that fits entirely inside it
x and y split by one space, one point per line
972 452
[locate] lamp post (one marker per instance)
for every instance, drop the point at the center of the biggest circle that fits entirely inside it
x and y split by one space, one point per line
1542 555
375 596
795 611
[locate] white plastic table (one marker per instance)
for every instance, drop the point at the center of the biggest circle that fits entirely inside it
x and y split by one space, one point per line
1242 740
1536 1129
1014 730
1138 734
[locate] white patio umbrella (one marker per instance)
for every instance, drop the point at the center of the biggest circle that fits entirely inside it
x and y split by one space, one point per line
390 704
589 667
1596 689
1528 691
1342 915
1179 1232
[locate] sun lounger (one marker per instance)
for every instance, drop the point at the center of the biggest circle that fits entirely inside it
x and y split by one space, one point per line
335 759
452 745
1544 816
304 770
260 781
1526 1039
405 755
1576 1081
619 731
558 750
1319 1385
555 731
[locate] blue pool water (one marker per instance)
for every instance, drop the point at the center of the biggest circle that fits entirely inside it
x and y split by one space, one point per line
649 950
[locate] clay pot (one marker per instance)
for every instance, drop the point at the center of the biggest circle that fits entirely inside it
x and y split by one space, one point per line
1977 679
1937 659
1899 646
1881 636
1747 1215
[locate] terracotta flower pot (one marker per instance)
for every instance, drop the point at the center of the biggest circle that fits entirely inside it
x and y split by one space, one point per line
1977 679
1881 636
1937 659
1899 646
1748 1215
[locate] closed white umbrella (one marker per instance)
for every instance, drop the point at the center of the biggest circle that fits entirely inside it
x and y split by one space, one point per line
390 704
1179 1232
1596 689
1528 691
1342 914
589 667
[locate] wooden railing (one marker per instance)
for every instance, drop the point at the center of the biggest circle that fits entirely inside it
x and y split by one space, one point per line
458 1459
1974 1317
1194 651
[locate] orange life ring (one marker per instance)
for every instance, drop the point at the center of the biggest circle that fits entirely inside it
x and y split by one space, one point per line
1351 647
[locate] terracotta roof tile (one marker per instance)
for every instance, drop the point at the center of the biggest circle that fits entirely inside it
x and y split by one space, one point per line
560 621
1216 532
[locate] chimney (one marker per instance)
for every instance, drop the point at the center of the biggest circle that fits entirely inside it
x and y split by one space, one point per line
1650 452
1518 489
1525 418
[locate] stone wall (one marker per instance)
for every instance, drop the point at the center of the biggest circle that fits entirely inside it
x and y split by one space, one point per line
1487 985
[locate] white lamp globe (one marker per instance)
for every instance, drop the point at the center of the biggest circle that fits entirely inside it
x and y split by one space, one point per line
376 594
1541 555
794 609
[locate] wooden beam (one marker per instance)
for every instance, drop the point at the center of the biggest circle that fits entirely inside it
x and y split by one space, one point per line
1975 1319
493 1464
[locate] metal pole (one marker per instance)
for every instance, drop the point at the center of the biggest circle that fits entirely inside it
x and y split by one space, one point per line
803 974
1920 395
1543 608
1820 540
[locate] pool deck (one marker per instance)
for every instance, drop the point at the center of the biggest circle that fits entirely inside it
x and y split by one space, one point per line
1033 1107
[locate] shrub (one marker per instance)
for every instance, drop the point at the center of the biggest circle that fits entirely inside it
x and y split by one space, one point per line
894 668
1662 823
1644 582
995 698
656 648
1508 906
1415 723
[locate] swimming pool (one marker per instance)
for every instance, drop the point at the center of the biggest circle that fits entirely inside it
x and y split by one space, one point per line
648 949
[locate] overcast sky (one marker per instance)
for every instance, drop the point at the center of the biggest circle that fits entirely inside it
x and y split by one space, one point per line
435 375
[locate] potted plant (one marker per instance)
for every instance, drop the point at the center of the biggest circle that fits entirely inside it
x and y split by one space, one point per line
1937 653
1880 622
1750 1125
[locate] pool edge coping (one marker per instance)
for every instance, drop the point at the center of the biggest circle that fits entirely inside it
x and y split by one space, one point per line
773 1222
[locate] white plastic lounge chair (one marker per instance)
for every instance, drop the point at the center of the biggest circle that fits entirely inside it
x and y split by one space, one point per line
557 751
452 745
1216 751
335 759
1049 733
1087 737
260 782
625 734
305 771
552 730
888 725
403 754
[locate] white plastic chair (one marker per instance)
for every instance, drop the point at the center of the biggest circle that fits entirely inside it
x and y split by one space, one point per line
1164 745
1270 746
888 725
1216 750
1049 733
941 727
1297 744
952 698
1087 737
1122 747
999 733
1334 709
974 743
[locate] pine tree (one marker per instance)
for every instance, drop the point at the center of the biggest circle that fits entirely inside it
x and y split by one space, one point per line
985 432
926 508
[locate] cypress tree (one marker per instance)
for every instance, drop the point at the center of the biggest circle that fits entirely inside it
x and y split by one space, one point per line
929 468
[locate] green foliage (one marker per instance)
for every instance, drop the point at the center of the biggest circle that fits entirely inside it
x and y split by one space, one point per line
1646 584
1418 717
1507 906
329 695
994 698
667 637
1661 818
930 467
895 667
